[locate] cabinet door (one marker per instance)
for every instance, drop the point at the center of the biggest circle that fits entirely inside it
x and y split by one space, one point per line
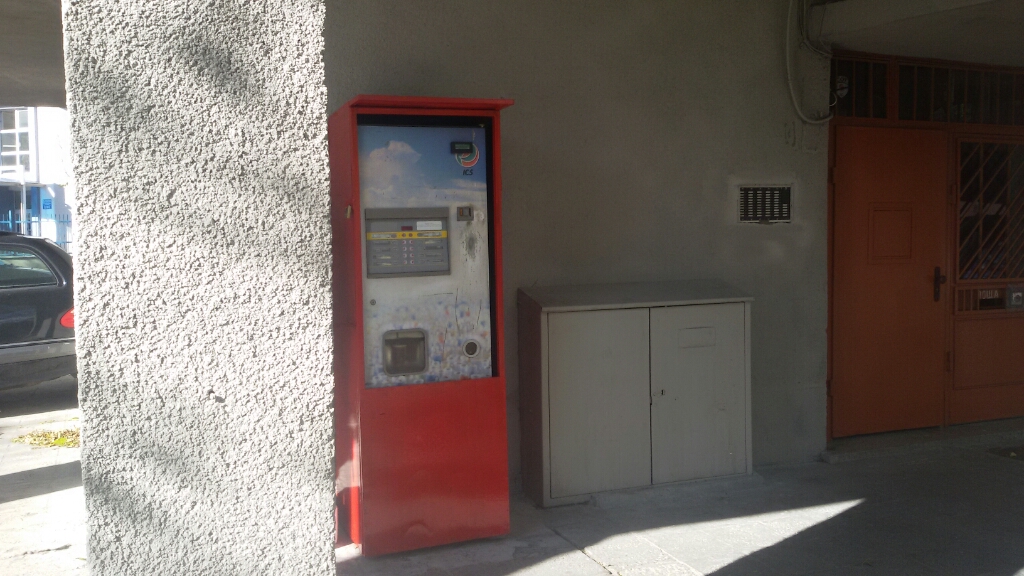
599 401
698 388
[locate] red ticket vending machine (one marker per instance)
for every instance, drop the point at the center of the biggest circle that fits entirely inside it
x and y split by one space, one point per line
422 453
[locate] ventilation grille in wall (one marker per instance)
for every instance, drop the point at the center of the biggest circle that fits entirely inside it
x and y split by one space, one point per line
765 204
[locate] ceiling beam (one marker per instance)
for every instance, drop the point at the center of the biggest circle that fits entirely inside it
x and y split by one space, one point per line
31 53
972 31
849 16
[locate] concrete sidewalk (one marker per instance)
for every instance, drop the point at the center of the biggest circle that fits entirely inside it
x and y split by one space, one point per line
42 507
950 509
923 502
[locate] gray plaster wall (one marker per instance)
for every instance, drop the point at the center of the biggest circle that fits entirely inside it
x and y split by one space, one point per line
203 285
633 122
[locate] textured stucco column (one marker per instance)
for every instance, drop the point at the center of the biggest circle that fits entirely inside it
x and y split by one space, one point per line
202 284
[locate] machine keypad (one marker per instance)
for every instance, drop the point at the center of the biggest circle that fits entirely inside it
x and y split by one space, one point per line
404 247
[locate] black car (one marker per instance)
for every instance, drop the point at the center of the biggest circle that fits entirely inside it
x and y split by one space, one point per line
37 315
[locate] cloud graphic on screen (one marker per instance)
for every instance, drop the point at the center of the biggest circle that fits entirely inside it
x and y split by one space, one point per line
392 175
392 165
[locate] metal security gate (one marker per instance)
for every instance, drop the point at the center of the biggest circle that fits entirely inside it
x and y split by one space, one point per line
991 212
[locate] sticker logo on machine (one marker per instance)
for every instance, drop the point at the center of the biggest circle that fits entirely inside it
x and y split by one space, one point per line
468 159
428 225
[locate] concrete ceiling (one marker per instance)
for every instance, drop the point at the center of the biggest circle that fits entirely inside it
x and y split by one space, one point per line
31 53
978 31
981 31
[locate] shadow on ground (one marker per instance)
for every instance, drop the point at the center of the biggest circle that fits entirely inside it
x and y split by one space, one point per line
949 510
39 481
60 394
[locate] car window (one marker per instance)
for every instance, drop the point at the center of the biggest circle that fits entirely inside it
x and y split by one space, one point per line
19 267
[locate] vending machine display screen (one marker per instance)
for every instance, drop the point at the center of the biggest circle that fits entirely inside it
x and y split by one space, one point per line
426 211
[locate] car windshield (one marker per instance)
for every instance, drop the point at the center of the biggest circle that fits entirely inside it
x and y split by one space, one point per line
19 267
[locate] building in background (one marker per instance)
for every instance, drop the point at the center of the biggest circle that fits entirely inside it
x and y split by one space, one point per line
36 189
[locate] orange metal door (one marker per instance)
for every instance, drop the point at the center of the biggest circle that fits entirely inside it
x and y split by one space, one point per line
889 329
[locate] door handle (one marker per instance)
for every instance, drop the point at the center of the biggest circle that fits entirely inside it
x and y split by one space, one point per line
939 281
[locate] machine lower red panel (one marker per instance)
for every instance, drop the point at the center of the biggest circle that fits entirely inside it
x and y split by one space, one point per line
434 465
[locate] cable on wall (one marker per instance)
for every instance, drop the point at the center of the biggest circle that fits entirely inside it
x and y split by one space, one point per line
789 72
806 41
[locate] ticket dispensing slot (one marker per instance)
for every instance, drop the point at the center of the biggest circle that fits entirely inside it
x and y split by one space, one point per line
405 351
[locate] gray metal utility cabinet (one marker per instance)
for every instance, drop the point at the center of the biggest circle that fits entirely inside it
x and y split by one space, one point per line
627 385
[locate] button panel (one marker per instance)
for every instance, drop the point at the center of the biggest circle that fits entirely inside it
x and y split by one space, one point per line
407 247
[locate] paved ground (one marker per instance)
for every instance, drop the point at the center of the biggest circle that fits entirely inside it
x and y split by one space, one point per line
927 502
42 508
950 507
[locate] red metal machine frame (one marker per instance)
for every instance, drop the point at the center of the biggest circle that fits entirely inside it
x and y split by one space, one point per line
417 465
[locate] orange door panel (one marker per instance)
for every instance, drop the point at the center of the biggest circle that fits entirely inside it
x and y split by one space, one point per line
888 332
988 378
